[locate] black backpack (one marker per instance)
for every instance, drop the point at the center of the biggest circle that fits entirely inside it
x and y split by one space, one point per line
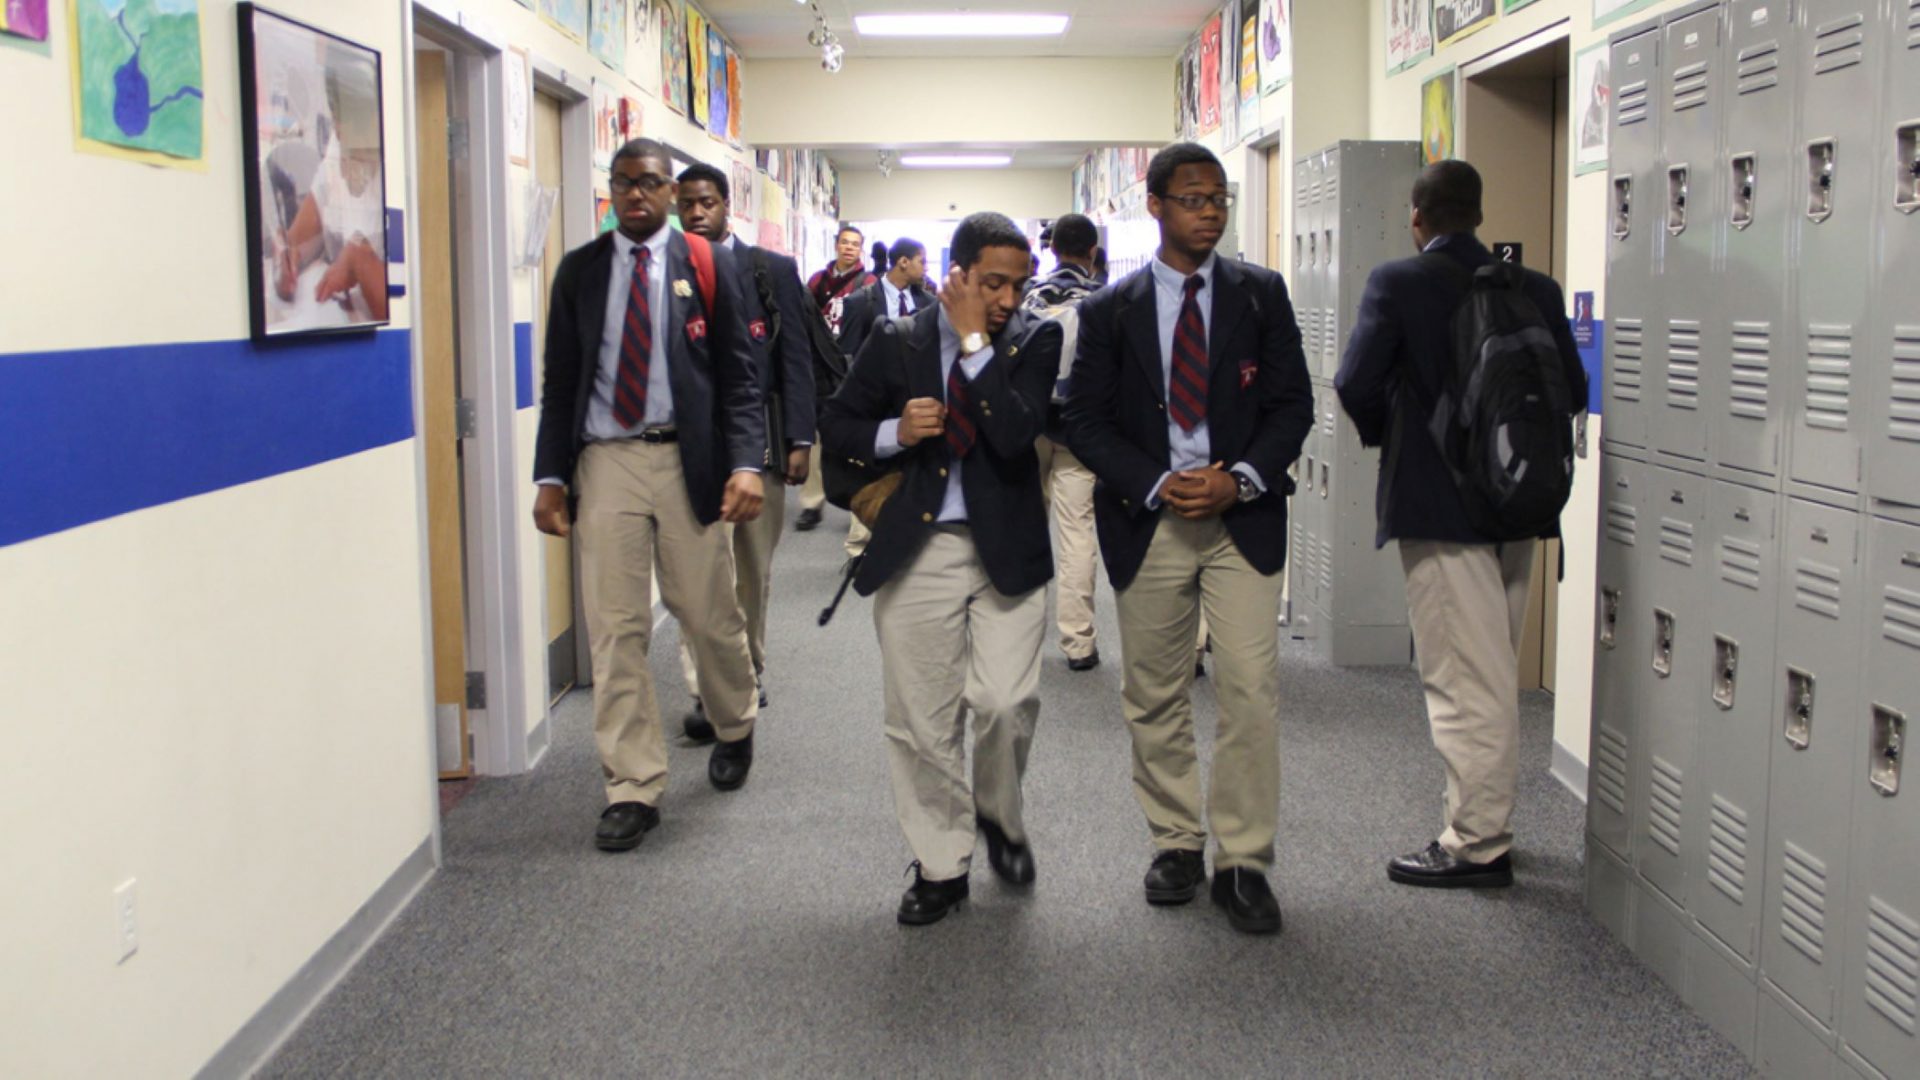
829 363
1503 421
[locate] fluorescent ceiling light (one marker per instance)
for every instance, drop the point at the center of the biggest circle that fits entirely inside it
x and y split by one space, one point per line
956 161
961 24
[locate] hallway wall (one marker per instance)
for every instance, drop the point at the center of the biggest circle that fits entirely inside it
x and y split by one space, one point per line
936 194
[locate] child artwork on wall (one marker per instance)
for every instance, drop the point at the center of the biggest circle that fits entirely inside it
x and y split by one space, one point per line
606 124
609 34
717 105
137 78
670 32
24 18
697 77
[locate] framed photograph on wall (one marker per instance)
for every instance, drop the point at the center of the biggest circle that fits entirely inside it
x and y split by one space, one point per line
315 178
1438 116
1591 102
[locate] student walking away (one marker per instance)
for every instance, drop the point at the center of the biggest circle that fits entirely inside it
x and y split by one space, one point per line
651 419
773 305
829 289
948 403
1068 484
900 292
1464 368
1190 399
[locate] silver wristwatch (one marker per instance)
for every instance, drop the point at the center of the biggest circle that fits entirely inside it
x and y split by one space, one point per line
972 343
1249 490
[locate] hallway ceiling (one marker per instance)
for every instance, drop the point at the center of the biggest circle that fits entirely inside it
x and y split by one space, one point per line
763 29
1060 156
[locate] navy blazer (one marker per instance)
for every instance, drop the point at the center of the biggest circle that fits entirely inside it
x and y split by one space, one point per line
785 363
863 309
716 389
1008 403
1259 409
1404 330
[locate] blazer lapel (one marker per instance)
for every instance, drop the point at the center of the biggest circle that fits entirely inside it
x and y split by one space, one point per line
1140 330
593 302
923 361
1230 305
679 269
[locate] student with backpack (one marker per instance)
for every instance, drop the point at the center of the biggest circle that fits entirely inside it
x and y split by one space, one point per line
1463 369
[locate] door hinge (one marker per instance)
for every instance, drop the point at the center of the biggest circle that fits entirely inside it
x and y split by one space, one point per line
466 418
457 140
476 689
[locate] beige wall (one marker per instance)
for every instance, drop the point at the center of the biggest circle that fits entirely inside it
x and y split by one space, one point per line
946 193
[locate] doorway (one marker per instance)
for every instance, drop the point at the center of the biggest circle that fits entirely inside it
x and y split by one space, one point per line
549 172
1513 128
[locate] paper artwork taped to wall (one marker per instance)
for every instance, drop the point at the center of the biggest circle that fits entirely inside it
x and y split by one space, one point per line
1249 68
1409 33
1276 44
670 31
1591 101
1455 19
608 37
699 85
572 17
1605 11
631 125
717 104
1186 102
734 111
1437 117
1209 117
605 220
138 79
606 124
315 178
24 18
519 105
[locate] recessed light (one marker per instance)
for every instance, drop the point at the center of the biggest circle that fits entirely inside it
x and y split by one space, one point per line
956 161
961 24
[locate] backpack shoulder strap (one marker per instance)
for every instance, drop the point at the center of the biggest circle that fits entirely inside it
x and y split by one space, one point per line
761 265
700 253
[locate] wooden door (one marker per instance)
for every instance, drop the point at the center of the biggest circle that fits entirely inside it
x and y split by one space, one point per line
562 670
439 391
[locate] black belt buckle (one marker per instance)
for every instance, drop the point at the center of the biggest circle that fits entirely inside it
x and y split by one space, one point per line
659 435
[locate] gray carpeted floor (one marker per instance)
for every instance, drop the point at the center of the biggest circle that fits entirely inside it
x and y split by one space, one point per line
753 933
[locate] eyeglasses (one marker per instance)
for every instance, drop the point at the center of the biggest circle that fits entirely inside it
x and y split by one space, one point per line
648 183
1194 203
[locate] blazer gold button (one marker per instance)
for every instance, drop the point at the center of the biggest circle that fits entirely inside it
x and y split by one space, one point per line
943 472
926 517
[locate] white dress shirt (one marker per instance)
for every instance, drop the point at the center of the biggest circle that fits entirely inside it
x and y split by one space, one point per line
600 420
886 442
1185 449
893 297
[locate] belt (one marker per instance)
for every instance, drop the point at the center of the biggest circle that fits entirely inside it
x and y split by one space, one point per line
658 435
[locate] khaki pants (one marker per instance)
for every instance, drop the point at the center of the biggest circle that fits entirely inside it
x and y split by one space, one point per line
813 493
752 549
857 536
1468 603
951 645
1076 552
1193 567
634 509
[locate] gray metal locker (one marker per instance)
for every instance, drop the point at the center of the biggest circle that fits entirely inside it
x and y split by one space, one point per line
1363 588
1304 282
1893 447
1691 340
1303 542
1748 393
1727 842
1620 642
1813 772
1880 1000
1369 186
1632 370
1332 313
1839 137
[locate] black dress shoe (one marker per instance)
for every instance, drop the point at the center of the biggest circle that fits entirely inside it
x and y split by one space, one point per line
1200 668
929 901
1175 876
699 729
623 825
728 765
1084 663
1251 908
1436 868
807 520
1013 862
763 698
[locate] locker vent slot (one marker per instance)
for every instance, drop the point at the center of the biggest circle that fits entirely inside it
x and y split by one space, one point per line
1676 541
1664 796
1632 107
1690 86
1727 850
1629 339
1816 588
1610 769
1623 523
1892 976
1752 370
1900 617
1683 364
1757 68
1838 45
1903 421
1740 562
1326 567
1913 24
1829 376
1332 189
1803 903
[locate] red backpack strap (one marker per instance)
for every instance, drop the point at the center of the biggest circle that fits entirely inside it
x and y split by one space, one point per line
700 252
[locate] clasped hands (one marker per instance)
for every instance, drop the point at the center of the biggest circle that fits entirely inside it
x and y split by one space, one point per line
1195 494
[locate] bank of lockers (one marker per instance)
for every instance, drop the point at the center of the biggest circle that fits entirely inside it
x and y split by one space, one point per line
1757 632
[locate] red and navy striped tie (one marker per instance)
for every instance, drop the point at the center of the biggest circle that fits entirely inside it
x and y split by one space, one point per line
960 430
1187 388
636 348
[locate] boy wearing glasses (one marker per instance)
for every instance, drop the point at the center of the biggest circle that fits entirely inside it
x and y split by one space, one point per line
1190 400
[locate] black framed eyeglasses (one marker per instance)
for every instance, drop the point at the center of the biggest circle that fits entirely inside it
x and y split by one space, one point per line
648 183
1195 203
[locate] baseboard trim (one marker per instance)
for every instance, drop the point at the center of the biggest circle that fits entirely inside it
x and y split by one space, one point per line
539 740
1570 771
260 1037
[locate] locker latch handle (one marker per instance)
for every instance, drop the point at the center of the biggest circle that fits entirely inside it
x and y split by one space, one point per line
1662 643
1677 200
1326 477
1745 173
1609 616
1883 761
1622 206
1820 175
1726 663
1906 177
1799 709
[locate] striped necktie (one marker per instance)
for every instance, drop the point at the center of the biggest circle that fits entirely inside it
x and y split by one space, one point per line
960 430
636 347
1187 387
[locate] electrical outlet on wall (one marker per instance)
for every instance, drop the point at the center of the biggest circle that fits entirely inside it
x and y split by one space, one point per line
125 924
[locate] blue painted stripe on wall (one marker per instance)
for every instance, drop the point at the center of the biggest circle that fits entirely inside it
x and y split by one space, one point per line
94 433
523 365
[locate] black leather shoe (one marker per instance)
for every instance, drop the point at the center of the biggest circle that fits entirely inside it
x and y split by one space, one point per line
728 765
1435 868
1013 862
1251 908
623 825
807 521
1175 876
699 729
929 901
1084 663
1200 668
763 698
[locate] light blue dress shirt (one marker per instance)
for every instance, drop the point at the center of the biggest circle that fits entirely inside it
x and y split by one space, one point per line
892 296
600 420
1185 449
886 442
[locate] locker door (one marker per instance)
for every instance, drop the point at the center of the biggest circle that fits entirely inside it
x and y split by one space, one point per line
1879 1014
1316 261
1727 842
1672 570
1302 282
1748 393
1810 798
1618 656
1332 318
1323 520
1690 104
1302 548
1836 168
1633 223
1893 452
1371 582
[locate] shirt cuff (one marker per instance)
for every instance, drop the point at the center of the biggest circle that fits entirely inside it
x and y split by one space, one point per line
800 444
551 481
1248 471
1152 501
971 365
746 468
886 441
